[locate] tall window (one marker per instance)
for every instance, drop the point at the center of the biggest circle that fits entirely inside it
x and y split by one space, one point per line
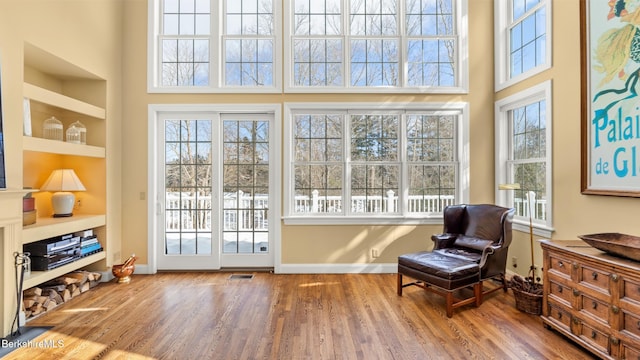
211 45
524 152
370 162
523 44
356 44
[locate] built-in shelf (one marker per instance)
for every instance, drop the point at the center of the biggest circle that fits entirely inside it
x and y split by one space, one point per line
38 277
64 102
49 227
61 147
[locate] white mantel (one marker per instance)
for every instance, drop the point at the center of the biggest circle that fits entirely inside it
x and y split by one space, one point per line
10 242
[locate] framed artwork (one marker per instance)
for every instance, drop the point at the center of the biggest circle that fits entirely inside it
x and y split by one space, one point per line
3 176
610 66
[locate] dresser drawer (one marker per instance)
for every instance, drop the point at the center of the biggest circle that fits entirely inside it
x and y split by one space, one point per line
629 352
596 278
598 309
560 315
631 290
631 324
560 291
560 265
596 338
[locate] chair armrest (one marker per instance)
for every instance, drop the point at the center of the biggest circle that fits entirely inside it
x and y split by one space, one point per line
489 250
441 241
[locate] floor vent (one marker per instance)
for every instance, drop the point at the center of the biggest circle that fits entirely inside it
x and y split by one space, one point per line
241 277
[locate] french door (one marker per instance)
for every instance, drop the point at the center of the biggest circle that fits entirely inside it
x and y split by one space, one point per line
214 199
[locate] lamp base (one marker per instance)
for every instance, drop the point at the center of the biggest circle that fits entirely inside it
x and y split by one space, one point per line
62 203
62 215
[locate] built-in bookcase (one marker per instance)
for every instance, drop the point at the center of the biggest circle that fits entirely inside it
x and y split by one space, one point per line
56 87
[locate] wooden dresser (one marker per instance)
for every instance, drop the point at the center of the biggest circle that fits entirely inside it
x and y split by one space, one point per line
593 298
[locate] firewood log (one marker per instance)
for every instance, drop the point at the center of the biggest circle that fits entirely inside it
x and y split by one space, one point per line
34 291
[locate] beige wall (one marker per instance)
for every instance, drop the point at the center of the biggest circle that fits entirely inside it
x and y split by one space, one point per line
308 244
346 244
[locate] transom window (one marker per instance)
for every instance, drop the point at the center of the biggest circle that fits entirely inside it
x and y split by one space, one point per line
329 46
375 43
354 163
204 45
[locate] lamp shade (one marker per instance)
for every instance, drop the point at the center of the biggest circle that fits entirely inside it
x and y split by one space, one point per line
62 182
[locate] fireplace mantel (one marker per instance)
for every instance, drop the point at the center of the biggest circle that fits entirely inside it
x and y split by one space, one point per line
10 243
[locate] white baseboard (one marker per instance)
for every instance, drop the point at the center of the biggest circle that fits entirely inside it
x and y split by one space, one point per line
338 268
143 269
383 268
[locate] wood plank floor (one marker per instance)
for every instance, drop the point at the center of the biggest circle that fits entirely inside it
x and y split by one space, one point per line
357 316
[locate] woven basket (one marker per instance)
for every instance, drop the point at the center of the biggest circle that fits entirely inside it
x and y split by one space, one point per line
528 302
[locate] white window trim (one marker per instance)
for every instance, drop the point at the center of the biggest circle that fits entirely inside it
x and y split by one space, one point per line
216 76
462 16
533 94
462 182
502 10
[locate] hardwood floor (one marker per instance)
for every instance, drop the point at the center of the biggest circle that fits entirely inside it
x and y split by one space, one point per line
357 316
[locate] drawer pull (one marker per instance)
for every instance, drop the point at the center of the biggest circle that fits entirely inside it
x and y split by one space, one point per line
576 292
595 275
560 263
593 334
594 305
560 289
615 309
614 341
559 315
614 277
576 321
575 265
638 324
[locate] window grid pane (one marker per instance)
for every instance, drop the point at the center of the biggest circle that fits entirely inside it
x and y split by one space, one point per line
248 43
375 170
245 186
527 39
188 163
317 52
527 158
184 43
432 162
318 164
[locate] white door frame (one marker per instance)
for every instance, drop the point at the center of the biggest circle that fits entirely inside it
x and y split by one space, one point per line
155 205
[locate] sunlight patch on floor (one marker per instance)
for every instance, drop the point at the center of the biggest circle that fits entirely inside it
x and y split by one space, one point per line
319 283
85 310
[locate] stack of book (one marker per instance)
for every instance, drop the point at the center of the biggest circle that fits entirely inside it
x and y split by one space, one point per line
89 243
28 210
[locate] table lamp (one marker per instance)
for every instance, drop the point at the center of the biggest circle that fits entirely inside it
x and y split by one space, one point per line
62 182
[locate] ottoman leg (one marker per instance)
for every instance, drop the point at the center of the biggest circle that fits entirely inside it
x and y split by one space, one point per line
399 284
477 290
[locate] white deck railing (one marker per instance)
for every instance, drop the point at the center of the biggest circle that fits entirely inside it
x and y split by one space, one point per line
244 212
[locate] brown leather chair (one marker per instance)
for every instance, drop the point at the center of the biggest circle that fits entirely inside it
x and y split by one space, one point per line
472 248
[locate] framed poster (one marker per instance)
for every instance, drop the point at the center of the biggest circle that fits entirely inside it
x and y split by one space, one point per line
610 65
3 176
